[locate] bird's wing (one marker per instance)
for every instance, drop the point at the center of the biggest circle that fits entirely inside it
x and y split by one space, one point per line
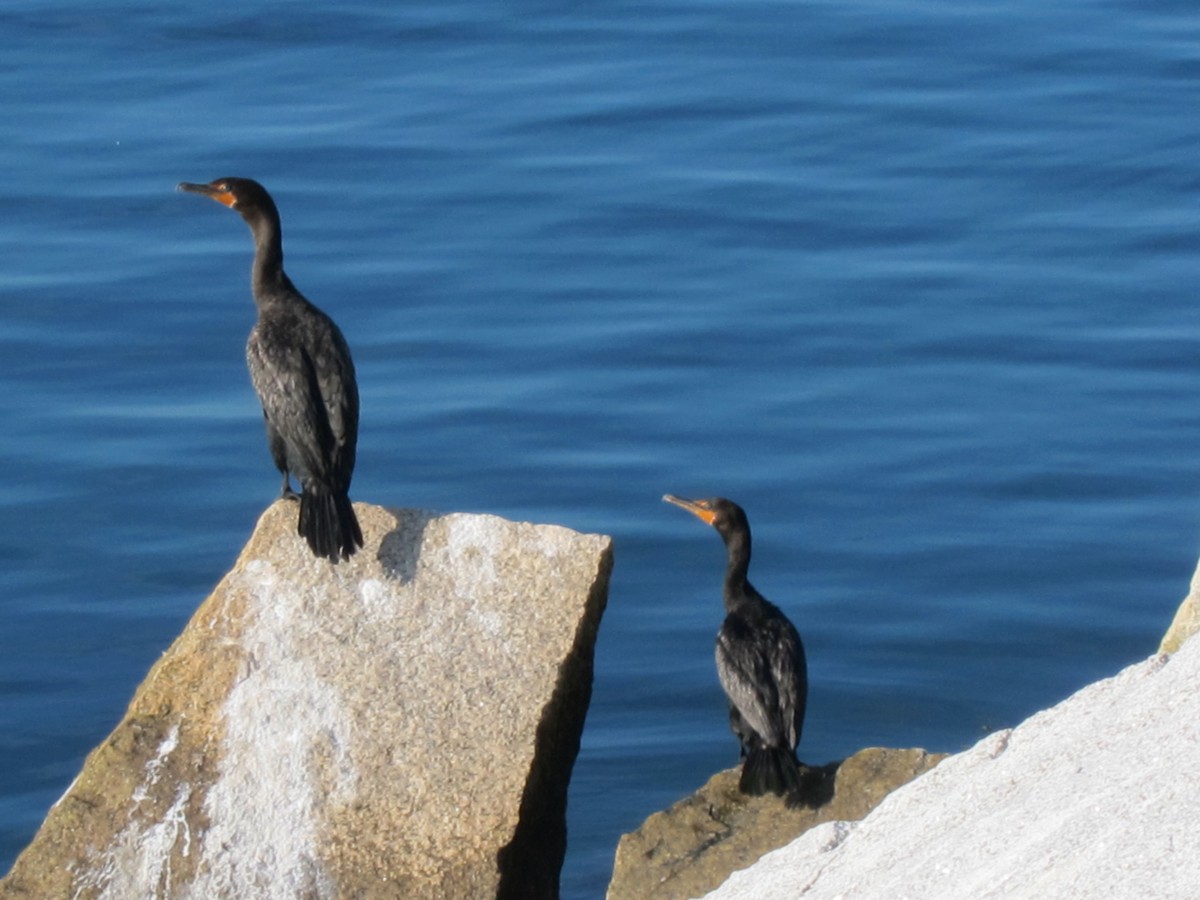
748 682
339 392
285 378
789 671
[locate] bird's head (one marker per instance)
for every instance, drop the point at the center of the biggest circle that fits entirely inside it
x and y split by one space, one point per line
244 195
723 515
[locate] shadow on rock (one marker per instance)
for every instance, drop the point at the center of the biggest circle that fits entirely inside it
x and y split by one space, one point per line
816 786
400 549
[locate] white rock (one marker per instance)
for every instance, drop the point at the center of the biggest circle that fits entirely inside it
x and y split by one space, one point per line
1098 797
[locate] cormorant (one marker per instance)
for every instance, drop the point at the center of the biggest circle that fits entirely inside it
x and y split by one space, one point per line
760 661
301 368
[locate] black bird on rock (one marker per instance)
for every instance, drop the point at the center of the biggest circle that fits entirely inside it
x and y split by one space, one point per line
760 661
301 368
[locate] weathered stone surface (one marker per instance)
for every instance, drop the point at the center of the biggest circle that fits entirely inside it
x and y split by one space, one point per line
692 847
1096 797
401 725
1187 619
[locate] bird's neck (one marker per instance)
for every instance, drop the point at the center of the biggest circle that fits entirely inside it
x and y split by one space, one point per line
737 586
267 274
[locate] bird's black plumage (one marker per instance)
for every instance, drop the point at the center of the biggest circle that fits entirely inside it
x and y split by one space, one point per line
301 368
760 662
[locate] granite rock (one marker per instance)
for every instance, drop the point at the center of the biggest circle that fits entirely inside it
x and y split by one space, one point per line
1187 618
1095 797
400 725
692 847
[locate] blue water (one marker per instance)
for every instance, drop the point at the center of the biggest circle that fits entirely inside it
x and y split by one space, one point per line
914 283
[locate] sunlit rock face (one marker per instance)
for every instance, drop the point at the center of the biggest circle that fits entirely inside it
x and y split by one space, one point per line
403 724
1095 797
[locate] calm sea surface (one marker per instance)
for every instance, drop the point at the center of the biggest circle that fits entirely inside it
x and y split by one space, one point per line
913 282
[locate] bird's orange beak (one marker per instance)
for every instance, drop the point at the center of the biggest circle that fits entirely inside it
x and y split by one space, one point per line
209 190
695 507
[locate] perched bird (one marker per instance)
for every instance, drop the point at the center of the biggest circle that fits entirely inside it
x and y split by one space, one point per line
301 368
760 661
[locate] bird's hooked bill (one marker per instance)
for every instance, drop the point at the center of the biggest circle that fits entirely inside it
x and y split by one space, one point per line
697 508
215 190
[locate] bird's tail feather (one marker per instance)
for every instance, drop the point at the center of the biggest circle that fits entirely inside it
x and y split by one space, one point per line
770 770
328 524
